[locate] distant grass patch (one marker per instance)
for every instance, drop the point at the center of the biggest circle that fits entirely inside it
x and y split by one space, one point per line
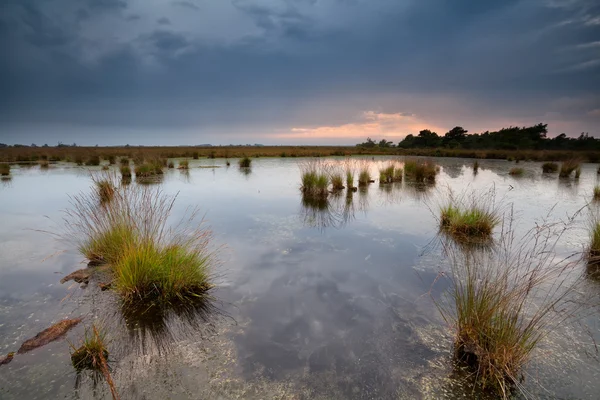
419 170
549 167
148 169
4 169
93 161
44 164
125 171
516 171
567 168
245 162
184 164
171 165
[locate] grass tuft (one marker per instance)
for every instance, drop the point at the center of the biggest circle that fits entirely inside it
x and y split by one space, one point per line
476 166
549 167
148 169
245 162
470 220
337 181
4 169
567 168
93 161
105 189
184 164
125 171
420 170
597 192
44 164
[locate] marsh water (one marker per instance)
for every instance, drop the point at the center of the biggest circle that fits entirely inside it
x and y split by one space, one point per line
329 301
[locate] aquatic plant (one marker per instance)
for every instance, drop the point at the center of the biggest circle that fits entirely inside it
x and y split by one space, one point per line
148 169
314 178
597 192
349 178
149 260
92 355
470 218
549 167
245 162
476 166
4 169
337 181
390 173
567 168
420 170
125 171
594 250
502 304
171 165
44 164
516 171
184 164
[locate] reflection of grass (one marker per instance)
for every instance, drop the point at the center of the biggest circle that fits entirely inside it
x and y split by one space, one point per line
549 167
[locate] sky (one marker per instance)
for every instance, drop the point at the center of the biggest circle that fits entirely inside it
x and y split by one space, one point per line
184 72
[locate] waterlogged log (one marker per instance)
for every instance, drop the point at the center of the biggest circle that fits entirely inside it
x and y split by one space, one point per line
7 358
48 335
79 276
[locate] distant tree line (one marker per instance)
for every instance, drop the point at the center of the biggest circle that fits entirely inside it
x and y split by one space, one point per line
512 138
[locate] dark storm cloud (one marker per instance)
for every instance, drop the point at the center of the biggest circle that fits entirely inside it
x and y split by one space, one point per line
289 63
186 4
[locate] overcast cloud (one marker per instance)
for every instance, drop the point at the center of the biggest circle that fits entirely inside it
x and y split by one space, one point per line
293 71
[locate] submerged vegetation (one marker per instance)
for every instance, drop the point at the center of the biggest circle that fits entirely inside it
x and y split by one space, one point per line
549 167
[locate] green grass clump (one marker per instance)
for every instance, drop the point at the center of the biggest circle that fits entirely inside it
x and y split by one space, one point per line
125 171
390 174
245 162
516 171
420 170
364 176
148 272
148 259
349 178
4 169
337 181
146 170
472 222
500 307
184 164
549 167
567 168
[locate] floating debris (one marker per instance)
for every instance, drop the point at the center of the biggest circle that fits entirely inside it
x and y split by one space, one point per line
49 335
